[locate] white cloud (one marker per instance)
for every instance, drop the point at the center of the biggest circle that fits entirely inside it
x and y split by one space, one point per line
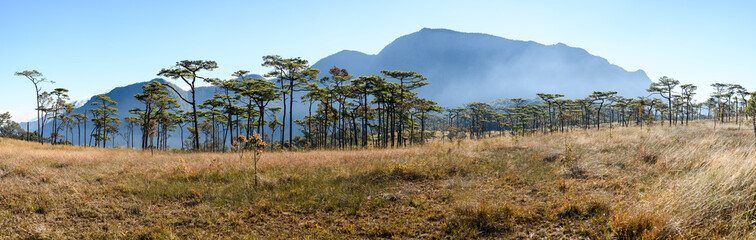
23 116
78 102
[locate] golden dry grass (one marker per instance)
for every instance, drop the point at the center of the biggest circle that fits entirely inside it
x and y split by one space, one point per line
664 182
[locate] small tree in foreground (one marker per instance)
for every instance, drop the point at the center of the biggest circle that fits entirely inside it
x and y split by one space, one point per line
255 143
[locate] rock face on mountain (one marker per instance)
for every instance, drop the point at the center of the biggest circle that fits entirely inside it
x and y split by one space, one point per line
467 67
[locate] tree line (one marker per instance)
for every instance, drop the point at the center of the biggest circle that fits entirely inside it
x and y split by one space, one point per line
668 102
344 111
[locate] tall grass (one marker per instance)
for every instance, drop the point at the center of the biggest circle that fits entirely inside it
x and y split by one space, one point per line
664 182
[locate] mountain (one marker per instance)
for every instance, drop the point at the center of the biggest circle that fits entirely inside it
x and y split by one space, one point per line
467 67
508 103
460 67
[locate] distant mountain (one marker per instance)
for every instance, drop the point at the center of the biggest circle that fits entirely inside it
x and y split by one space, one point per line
460 67
467 67
508 103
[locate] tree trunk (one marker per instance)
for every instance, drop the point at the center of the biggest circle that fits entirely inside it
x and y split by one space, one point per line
754 125
283 123
291 116
422 128
364 122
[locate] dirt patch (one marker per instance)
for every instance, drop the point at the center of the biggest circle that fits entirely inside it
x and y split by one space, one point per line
649 158
551 158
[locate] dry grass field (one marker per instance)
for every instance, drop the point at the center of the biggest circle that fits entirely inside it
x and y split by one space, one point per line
632 183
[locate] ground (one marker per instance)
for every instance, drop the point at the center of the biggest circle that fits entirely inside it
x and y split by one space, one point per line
660 182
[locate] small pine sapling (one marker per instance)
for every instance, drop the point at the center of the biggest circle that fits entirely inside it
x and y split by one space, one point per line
257 143
253 142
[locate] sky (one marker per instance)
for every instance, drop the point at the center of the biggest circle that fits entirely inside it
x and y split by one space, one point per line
91 47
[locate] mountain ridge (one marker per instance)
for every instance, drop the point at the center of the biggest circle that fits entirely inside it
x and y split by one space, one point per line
484 67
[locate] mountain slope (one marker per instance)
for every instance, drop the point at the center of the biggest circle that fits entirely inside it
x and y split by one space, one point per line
466 67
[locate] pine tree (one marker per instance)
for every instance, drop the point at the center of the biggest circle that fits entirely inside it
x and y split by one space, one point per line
414 80
104 118
187 70
156 103
36 78
293 74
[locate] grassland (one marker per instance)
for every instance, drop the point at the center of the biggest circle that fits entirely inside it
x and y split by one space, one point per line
628 183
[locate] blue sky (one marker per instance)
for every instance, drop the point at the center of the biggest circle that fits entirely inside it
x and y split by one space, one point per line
90 47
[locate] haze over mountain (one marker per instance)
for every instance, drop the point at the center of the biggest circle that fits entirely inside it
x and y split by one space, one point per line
460 67
467 67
